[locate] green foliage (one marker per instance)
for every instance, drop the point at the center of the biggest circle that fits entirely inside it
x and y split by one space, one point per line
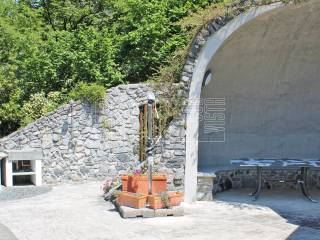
105 124
57 46
92 93
38 105
165 199
10 113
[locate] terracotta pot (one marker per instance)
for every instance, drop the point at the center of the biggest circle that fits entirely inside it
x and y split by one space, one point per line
175 198
139 184
124 180
155 201
134 200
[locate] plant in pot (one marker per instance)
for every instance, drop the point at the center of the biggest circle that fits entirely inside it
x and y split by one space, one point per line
134 200
110 188
137 182
165 200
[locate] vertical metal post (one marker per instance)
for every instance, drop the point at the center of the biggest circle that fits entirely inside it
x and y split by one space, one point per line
151 100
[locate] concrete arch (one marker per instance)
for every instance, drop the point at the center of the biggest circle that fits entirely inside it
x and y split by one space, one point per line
214 41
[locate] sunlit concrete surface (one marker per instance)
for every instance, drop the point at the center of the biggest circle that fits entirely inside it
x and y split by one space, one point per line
5 233
78 212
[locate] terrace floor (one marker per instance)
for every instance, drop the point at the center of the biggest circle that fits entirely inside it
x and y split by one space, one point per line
78 212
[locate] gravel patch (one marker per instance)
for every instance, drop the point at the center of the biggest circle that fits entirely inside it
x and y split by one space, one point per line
20 192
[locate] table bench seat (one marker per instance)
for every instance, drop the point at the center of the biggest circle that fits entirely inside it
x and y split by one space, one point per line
303 165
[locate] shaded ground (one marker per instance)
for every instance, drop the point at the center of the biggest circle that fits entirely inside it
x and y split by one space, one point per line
19 192
77 212
291 205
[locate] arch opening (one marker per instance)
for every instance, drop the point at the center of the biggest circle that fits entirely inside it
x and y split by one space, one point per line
264 102
265 73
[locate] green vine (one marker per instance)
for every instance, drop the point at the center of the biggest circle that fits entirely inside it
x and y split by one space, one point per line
169 105
165 199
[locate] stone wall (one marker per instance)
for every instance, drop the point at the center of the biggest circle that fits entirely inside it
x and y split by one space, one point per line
246 178
81 142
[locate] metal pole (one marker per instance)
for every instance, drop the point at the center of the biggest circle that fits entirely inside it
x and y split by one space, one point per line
151 100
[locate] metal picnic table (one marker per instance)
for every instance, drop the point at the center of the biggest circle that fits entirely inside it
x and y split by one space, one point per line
304 165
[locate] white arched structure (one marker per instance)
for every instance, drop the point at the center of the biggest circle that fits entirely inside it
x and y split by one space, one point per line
192 121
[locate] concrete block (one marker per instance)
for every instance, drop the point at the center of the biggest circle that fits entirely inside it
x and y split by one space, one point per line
128 212
24 154
175 211
166 212
147 212
160 212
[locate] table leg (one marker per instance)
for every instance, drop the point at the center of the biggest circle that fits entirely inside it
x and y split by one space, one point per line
303 184
256 187
257 191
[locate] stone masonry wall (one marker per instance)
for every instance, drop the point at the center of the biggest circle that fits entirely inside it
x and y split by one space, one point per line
80 142
246 178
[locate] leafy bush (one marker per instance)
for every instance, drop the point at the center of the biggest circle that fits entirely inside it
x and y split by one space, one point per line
38 105
51 46
90 92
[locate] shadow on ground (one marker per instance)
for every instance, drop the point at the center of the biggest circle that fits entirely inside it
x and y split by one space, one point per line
20 192
291 205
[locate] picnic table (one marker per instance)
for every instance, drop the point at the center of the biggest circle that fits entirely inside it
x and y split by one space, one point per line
303 165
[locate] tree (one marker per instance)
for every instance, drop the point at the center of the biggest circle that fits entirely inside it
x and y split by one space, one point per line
54 45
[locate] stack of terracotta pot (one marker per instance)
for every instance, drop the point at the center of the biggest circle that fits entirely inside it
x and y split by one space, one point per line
135 192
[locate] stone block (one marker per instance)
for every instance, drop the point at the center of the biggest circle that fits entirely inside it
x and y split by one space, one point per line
175 211
74 167
92 144
211 29
75 177
24 154
215 25
147 212
160 213
185 78
179 153
94 137
58 171
128 212
188 68
123 157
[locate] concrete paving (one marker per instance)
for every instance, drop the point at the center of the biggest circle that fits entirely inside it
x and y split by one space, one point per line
78 212
19 192
6 234
291 205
